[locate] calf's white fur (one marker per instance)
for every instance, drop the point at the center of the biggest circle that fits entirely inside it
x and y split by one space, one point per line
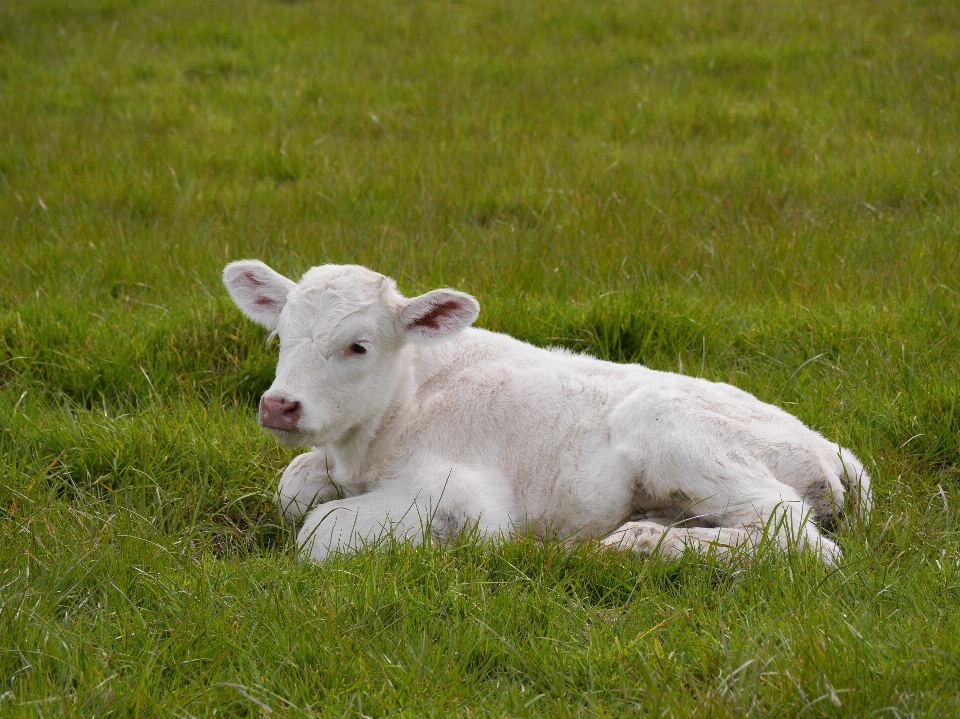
418 422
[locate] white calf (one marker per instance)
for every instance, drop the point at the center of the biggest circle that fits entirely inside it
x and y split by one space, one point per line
419 422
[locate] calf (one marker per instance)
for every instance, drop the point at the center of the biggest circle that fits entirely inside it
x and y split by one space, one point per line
419 423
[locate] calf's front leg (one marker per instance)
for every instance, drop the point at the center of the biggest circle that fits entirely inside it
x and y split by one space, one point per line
306 482
430 497
345 525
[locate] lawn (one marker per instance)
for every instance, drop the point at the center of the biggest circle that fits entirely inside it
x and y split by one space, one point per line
760 193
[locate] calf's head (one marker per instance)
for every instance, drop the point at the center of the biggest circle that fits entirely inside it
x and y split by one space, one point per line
341 331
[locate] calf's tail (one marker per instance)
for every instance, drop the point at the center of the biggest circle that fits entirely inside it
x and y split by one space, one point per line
856 482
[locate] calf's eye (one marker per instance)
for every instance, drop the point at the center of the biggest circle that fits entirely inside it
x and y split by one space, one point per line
358 349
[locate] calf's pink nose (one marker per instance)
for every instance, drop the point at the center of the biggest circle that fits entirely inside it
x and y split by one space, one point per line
279 412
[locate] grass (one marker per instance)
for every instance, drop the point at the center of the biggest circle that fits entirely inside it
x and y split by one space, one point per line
758 193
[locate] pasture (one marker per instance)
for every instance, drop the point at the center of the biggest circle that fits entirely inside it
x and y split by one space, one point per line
760 193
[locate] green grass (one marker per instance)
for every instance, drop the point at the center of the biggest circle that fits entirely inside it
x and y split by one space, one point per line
764 193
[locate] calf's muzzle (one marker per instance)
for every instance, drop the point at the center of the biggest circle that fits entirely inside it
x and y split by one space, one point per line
279 413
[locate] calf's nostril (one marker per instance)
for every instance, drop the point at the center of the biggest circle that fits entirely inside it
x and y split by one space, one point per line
292 410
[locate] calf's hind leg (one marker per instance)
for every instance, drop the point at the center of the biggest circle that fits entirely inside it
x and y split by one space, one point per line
772 509
647 538
714 454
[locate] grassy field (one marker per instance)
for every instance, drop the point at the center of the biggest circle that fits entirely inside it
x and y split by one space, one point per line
762 193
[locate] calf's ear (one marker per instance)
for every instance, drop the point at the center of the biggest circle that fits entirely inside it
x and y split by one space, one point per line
259 292
438 315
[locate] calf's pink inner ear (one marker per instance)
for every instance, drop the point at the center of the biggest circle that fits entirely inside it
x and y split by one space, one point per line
433 318
439 314
258 291
265 301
